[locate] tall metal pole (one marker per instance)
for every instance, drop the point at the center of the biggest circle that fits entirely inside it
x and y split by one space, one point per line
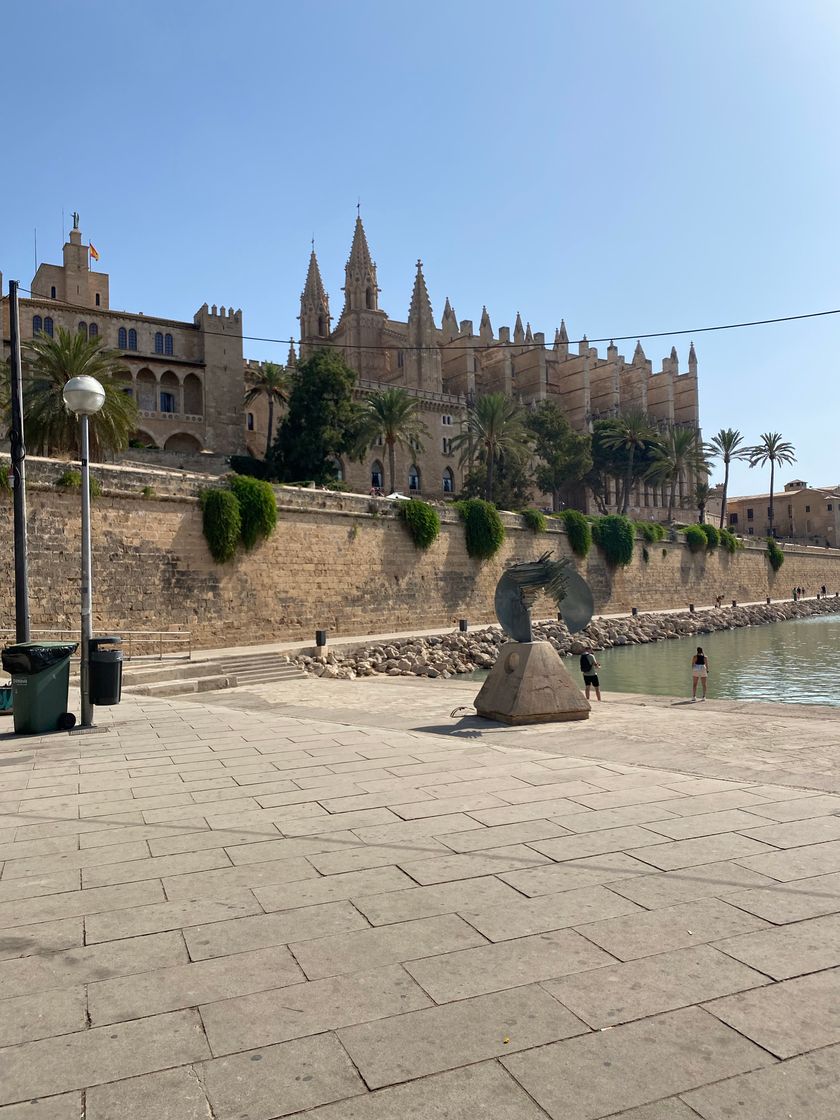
18 455
87 707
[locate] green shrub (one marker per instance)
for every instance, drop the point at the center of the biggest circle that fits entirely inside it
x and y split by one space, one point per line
221 522
421 520
712 535
484 529
615 535
248 465
535 520
651 531
774 555
729 541
257 508
148 491
695 538
578 531
72 480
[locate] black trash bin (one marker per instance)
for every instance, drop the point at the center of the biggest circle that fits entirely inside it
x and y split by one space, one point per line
106 665
40 674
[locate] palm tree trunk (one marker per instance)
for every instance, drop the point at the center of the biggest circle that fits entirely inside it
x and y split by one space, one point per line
672 493
628 482
725 492
488 485
270 425
392 463
772 478
555 500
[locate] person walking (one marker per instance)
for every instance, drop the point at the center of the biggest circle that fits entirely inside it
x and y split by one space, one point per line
588 665
699 672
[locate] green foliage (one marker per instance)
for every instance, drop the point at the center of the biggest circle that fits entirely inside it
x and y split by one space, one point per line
272 382
72 480
49 365
221 522
393 416
611 459
578 530
695 538
712 535
565 456
248 465
615 535
495 431
421 520
774 555
257 508
651 531
535 520
484 529
148 491
729 541
322 421
512 485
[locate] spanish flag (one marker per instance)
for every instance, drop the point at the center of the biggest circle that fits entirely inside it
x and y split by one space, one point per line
93 252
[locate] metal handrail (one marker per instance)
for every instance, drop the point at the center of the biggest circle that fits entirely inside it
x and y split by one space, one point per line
157 639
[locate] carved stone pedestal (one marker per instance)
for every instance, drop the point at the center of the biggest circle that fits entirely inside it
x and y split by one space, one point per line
530 684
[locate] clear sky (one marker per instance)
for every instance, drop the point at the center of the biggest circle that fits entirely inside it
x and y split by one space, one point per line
629 165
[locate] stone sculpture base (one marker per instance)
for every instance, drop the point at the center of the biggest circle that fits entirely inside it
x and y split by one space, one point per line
530 684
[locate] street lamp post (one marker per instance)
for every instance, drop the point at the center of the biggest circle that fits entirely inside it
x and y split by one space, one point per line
85 396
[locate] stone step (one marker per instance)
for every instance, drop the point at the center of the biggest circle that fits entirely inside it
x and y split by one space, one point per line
182 687
267 676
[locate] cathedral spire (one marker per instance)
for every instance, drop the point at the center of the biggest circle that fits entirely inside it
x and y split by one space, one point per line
518 332
639 354
314 304
692 360
420 312
449 322
360 288
291 361
528 335
485 328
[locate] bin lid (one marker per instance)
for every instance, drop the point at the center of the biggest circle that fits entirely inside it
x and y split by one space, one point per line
104 640
34 657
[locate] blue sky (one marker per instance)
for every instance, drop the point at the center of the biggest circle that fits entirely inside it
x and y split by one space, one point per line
629 166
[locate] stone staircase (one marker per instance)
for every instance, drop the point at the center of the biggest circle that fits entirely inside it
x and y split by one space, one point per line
184 677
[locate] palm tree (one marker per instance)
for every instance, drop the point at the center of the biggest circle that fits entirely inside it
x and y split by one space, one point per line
50 363
632 432
701 499
495 429
726 446
273 383
772 449
393 416
677 454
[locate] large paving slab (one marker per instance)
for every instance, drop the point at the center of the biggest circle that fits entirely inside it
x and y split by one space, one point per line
610 1071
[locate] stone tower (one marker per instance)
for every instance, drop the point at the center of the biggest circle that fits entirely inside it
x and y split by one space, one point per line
360 329
422 361
314 310
361 292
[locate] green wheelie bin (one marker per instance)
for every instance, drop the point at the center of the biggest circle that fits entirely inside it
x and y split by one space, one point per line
40 674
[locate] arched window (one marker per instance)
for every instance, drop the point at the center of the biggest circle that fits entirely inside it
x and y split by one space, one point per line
158 342
413 479
93 330
132 339
250 419
448 482
122 338
377 474
37 324
170 392
338 469
97 299
52 292
48 326
83 328
167 345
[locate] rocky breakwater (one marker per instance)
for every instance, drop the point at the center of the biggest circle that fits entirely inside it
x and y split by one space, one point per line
449 655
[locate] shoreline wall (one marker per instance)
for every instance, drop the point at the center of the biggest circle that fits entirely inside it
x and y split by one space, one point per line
343 562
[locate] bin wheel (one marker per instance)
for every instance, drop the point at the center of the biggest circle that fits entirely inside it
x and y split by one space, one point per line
66 721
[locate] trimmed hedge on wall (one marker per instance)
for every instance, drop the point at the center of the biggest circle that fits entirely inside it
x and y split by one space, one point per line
485 532
222 523
615 535
534 519
578 531
695 538
257 508
421 520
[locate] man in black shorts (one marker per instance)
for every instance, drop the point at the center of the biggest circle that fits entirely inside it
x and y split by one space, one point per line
588 665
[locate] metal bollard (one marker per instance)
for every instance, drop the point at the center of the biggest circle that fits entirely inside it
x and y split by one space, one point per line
463 625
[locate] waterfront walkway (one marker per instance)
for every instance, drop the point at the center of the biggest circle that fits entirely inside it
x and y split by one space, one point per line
330 899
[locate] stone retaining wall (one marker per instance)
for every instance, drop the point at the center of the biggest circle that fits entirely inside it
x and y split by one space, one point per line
339 561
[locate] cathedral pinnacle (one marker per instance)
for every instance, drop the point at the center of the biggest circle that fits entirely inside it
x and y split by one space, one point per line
518 332
485 328
314 287
639 354
528 335
360 288
420 311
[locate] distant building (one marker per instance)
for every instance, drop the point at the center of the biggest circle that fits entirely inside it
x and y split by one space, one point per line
448 366
187 378
802 513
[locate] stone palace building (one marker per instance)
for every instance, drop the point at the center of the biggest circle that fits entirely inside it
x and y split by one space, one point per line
189 379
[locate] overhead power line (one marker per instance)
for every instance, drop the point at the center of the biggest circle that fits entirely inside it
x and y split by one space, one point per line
474 343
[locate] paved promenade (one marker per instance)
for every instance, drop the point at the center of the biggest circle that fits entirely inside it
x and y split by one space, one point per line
330 900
